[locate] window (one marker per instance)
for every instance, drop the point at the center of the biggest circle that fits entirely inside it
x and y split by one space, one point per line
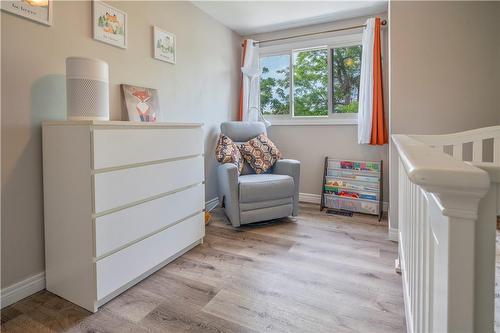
310 83
275 84
346 72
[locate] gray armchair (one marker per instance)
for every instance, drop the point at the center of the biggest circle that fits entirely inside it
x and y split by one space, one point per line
254 197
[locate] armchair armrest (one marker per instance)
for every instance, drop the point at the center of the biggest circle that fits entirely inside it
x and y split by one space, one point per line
290 168
227 175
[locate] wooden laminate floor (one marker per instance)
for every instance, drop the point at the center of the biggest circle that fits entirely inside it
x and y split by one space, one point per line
313 273
497 283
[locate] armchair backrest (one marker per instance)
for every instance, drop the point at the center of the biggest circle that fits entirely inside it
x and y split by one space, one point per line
242 131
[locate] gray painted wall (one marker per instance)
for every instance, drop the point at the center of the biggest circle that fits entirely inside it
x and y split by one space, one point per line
444 66
310 144
202 87
444 69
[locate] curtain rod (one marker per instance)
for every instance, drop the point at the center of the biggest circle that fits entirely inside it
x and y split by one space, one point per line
384 22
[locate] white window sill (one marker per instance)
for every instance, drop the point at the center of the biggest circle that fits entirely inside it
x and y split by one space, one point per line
312 121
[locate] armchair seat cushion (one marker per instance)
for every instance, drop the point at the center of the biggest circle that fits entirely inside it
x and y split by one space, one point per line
254 188
246 206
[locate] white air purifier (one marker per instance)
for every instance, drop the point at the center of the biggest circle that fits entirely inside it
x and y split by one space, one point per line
87 89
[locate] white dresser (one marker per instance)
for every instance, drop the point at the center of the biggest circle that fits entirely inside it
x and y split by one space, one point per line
122 199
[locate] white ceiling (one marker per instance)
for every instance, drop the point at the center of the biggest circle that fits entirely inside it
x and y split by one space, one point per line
252 17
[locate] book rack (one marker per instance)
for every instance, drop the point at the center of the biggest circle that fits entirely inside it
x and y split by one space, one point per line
354 186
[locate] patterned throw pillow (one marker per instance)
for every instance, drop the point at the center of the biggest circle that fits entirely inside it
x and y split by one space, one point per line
260 153
226 151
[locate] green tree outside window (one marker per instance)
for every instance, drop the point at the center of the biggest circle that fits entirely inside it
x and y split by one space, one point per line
310 82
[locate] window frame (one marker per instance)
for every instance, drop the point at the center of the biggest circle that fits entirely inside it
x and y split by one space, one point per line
305 45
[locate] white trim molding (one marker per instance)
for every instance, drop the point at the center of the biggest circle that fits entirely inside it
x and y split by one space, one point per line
22 289
211 204
310 198
393 234
312 121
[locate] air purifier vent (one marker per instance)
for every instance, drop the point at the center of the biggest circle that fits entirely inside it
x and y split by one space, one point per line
87 90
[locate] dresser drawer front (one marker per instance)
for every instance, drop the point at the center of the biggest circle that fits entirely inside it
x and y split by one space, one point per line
118 229
128 264
121 187
117 147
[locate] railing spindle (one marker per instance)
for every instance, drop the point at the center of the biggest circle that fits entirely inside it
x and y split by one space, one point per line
477 151
457 151
496 150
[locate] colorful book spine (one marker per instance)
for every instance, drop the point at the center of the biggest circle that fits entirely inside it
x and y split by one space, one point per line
360 166
341 192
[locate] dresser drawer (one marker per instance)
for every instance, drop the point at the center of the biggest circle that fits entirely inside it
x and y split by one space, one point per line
120 187
128 264
122 227
116 147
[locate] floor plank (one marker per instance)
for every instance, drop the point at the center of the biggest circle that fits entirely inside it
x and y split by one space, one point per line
311 273
497 283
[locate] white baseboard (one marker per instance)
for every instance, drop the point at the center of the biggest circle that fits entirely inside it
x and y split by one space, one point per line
211 204
393 234
316 199
22 289
310 198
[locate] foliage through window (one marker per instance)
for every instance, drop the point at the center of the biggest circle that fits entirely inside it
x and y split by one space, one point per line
275 84
308 84
346 74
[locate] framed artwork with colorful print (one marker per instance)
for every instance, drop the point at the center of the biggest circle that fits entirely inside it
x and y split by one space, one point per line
36 10
109 24
164 45
142 103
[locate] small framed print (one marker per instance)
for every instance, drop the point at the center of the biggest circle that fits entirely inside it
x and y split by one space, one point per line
164 45
36 10
109 24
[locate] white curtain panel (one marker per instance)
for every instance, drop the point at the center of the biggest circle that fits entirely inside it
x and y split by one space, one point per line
365 108
251 74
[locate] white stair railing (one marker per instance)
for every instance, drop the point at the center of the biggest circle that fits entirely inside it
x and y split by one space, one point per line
458 142
472 142
446 217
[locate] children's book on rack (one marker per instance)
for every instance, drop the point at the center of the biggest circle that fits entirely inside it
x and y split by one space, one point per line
354 186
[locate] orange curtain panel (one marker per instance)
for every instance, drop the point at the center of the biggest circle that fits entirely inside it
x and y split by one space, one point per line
240 111
379 132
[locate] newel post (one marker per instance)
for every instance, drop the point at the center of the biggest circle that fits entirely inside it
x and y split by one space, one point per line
455 261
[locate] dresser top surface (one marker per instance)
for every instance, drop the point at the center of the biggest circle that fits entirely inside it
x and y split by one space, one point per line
116 123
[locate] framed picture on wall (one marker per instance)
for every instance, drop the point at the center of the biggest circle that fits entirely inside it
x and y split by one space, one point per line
109 24
36 10
164 45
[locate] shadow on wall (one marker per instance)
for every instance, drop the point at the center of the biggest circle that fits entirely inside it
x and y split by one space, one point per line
23 190
211 136
48 99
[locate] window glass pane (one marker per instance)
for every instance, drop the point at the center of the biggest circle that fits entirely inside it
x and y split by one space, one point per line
275 84
346 67
310 83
